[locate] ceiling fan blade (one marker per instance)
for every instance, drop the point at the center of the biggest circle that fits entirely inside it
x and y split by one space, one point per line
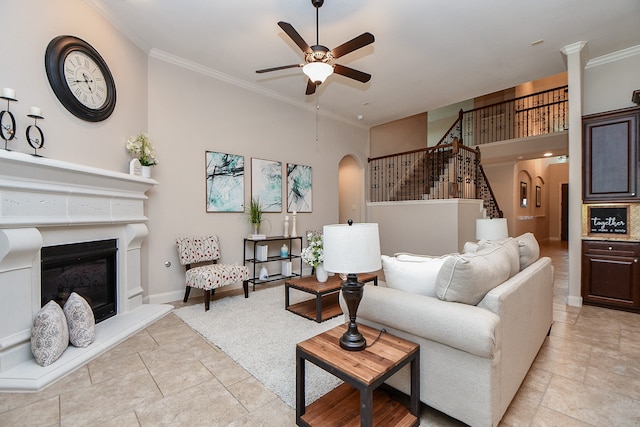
351 73
311 88
293 34
362 40
282 67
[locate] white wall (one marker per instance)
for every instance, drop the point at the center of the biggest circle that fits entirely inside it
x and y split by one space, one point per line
430 227
27 28
186 114
609 86
191 113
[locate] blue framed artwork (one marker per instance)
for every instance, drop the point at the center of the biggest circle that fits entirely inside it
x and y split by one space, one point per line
266 184
224 182
299 188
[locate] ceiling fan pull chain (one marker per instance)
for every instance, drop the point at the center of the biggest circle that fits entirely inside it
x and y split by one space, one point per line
317 108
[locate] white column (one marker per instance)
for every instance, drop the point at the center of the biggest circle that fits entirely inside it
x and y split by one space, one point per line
576 55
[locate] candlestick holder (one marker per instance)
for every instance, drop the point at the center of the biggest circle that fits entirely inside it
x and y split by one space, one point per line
7 123
35 143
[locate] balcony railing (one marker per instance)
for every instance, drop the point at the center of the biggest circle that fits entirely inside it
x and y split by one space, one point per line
537 114
451 169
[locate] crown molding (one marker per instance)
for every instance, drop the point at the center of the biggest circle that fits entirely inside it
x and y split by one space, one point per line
613 57
102 10
210 72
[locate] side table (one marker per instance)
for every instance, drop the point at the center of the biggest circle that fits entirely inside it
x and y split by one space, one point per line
325 305
363 372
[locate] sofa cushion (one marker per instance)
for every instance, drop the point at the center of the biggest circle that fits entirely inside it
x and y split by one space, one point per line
412 273
511 245
49 334
82 324
529 249
466 278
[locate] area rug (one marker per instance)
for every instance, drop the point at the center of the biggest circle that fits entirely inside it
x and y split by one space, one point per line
261 336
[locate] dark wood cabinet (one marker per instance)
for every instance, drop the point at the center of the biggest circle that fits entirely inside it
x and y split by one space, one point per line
610 155
611 274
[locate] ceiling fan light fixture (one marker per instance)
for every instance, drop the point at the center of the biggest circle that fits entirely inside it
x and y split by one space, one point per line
317 71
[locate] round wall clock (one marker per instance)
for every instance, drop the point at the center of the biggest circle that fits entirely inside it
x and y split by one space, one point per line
80 78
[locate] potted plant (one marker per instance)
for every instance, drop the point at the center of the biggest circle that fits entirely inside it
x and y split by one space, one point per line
314 255
255 214
141 148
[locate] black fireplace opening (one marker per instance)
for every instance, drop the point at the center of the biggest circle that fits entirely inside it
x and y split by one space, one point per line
88 269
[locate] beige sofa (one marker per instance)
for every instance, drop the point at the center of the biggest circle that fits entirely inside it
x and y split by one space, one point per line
473 357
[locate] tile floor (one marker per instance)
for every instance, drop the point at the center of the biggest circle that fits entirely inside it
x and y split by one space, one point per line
586 374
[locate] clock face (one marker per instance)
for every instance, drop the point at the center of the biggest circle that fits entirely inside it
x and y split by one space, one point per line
80 78
85 79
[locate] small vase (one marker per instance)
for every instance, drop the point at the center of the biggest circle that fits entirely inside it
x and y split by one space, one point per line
321 274
255 228
146 171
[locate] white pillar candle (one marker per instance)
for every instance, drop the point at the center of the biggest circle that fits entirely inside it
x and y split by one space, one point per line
8 93
36 111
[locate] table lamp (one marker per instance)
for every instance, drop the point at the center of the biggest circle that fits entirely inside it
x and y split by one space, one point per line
491 229
351 249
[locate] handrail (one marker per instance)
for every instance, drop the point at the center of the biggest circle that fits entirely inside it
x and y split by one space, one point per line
566 88
451 168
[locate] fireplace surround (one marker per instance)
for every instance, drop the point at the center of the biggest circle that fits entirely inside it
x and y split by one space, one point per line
88 269
45 203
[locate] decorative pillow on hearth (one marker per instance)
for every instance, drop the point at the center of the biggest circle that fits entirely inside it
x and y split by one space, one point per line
410 273
82 324
49 334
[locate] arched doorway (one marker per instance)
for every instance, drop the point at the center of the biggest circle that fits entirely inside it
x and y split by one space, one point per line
350 190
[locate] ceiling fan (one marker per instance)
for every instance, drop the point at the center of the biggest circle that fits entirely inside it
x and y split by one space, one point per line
318 58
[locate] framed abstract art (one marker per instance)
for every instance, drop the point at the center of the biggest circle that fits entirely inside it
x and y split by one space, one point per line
266 184
224 182
299 188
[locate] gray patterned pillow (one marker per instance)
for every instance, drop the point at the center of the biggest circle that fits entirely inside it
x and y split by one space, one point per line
49 334
82 324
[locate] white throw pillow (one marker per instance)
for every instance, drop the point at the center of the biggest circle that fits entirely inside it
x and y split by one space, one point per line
82 324
511 246
470 247
411 273
467 278
49 334
529 249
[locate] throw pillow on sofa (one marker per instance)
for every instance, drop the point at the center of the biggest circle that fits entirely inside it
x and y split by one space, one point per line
511 245
467 278
412 273
49 334
529 249
82 324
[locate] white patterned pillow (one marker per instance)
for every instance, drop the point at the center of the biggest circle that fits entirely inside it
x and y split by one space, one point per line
49 334
411 273
82 324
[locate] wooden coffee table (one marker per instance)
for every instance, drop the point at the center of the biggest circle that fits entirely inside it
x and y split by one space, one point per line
325 305
357 401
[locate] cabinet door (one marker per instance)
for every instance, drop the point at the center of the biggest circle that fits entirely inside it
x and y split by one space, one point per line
611 156
610 277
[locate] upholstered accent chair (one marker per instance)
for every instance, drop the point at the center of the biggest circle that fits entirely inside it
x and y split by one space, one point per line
200 255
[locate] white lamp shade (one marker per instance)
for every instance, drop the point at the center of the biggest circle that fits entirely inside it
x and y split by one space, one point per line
491 229
351 248
317 71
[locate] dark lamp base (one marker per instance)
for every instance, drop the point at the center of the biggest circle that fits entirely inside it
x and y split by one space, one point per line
353 342
352 339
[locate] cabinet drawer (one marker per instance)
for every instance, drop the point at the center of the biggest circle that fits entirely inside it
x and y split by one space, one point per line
609 248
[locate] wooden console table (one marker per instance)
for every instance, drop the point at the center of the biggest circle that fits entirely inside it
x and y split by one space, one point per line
363 372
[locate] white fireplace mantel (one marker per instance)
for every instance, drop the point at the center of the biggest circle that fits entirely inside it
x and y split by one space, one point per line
45 202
